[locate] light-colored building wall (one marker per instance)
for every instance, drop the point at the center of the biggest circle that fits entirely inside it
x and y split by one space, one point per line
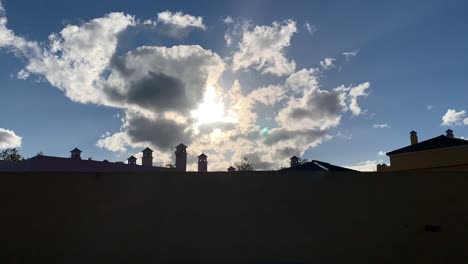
444 159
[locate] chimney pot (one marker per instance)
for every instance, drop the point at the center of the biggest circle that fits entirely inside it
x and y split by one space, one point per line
202 163
294 161
75 153
147 159
449 133
413 137
181 157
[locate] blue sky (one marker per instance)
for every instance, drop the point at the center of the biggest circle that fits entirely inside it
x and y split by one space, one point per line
112 83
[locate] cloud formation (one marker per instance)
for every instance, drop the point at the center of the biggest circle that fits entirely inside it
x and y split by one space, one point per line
327 63
263 48
177 25
381 126
8 138
452 117
311 29
170 95
350 54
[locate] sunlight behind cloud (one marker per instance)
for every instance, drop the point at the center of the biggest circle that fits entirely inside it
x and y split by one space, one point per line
211 109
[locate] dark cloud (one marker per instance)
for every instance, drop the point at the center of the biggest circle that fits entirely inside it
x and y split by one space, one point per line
258 163
156 91
162 133
209 127
319 104
307 135
287 152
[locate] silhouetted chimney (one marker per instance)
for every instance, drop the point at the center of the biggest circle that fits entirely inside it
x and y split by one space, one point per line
202 163
449 133
181 157
75 154
132 160
231 169
147 160
413 137
294 161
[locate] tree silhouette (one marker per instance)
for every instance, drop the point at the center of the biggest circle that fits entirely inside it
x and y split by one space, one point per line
11 154
169 164
244 165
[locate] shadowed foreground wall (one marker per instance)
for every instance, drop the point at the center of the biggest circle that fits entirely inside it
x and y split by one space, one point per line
260 217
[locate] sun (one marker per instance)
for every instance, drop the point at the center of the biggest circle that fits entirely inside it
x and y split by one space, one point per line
211 109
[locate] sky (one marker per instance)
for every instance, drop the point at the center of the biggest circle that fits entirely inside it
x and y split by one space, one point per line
337 81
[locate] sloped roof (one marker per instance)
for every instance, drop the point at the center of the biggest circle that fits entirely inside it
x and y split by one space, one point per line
48 163
316 165
181 145
147 150
439 142
75 150
203 155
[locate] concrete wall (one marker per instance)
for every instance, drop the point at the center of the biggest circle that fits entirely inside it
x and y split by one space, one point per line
437 158
251 217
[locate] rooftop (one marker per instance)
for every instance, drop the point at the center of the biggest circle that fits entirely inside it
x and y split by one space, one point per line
316 165
439 142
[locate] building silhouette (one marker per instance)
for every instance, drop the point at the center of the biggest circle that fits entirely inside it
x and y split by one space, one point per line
181 157
314 165
43 163
202 163
147 159
441 153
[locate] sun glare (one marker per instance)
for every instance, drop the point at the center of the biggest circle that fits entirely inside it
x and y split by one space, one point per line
211 109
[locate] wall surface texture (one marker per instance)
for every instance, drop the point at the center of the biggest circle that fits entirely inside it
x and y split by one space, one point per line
251 217
455 158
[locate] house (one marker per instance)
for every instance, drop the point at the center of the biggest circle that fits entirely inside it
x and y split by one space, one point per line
441 153
74 163
315 166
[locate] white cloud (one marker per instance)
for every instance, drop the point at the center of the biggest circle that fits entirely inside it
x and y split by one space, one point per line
18 45
22 75
180 20
157 88
8 139
78 56
310 28
263 47
228 20
353 94
327 63
381 126
452 117
381 153
368 165
2 9
228 39
350 54
116 142
429 107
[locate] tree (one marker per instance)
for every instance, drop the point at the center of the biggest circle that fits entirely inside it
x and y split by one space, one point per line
244 165
169 164
11 154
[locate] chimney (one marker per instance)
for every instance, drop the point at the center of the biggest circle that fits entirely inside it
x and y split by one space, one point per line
449 133
181 157
202 163
132 160
147 160
294 161
413 137
75 154
231 169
